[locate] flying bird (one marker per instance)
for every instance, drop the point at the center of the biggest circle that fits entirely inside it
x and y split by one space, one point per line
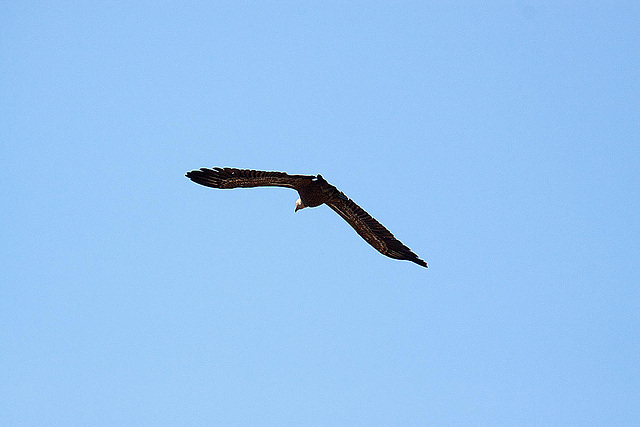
313 191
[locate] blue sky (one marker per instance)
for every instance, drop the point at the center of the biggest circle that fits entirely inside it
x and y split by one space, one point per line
500 142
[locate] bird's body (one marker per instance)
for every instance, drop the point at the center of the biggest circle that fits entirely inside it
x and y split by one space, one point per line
313 191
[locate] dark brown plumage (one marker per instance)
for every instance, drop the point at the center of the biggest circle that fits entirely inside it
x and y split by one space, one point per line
313 191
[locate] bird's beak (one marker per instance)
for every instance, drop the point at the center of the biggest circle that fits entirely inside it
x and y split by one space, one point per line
297 208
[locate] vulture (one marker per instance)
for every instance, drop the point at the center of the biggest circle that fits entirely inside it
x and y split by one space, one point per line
313 191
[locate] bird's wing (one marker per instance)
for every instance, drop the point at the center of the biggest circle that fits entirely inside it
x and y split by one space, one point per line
372 231
234 178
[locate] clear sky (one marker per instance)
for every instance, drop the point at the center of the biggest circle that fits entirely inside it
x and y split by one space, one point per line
500 142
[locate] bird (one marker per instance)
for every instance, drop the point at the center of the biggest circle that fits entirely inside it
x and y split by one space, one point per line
313 191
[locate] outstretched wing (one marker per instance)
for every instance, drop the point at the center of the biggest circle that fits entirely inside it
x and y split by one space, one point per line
234 178
372 231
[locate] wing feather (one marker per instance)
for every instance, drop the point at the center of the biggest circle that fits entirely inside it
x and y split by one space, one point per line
246 178
372 231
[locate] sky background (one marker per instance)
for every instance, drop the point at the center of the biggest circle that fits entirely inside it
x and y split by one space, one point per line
500 142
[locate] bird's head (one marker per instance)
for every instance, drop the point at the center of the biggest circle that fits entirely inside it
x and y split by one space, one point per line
299 205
